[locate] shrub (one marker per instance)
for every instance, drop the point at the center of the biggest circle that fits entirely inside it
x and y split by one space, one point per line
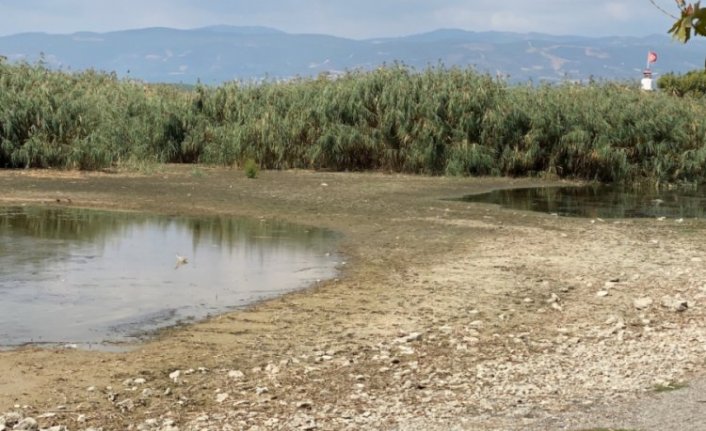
251 169
690 84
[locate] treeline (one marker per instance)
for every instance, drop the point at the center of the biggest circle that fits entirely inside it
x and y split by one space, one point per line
437 121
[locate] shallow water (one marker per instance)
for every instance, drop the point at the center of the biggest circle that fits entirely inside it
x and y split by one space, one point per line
89 277
601 201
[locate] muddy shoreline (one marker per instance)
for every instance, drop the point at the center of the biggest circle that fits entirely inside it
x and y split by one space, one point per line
448 315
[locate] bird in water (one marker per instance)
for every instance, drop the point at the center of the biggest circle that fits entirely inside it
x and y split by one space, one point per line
180 260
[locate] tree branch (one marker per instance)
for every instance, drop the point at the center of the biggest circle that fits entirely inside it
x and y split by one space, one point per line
659 8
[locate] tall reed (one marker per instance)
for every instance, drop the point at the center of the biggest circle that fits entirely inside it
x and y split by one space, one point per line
436 121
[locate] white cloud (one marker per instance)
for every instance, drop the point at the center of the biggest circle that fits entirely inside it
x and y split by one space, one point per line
617 11
359 19
511 21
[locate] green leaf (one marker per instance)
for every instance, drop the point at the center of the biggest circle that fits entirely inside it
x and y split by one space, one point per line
699 20
681 30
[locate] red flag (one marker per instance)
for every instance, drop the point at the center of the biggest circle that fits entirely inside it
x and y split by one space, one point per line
651 57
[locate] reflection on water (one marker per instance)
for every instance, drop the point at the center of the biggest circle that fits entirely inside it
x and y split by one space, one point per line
83 276
602 201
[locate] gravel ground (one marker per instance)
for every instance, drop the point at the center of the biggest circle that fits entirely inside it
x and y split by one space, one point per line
448 316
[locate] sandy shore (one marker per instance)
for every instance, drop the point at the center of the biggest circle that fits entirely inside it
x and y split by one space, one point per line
448 315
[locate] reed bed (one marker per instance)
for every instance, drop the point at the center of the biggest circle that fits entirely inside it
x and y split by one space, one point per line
438 121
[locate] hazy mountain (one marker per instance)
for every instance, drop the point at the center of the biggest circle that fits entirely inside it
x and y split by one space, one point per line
221 53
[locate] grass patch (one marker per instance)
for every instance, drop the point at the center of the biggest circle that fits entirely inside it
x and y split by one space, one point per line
251 169
145 167
668 387
197 172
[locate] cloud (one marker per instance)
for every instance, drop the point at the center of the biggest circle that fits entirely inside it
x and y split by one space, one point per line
359 19
617 11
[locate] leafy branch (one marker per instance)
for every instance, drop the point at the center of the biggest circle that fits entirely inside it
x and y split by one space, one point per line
692 20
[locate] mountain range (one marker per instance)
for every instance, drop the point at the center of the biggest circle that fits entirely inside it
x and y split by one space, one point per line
216 54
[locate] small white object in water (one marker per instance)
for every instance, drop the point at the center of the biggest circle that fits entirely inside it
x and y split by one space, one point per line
180 260
661 218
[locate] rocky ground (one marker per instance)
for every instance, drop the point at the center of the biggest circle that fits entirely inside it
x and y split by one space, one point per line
448 315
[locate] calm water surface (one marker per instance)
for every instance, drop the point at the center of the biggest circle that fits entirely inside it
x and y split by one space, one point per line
84 276
602 201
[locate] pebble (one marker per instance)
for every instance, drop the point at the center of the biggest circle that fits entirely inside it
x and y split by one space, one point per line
675 304
175 375
236 375
26 424
642 303
414 336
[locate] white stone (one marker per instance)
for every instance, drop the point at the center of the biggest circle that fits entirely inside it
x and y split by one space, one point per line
236 374
175 375
27 424
642 303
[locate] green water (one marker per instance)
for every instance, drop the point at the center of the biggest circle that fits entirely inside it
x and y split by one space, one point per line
94 278
602 201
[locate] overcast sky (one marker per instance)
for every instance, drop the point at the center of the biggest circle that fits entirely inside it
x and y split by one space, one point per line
348 18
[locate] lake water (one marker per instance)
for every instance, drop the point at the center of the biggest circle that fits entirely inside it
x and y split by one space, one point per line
602 201
87 277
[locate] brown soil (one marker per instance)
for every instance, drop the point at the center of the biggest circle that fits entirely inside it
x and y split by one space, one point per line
504 302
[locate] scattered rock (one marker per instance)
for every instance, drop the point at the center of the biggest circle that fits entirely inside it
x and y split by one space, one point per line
236 375
302 422
602 293
125 405
10 419
675 304
406 350
414 336
27 424
222 397
307 405
642 303
175 375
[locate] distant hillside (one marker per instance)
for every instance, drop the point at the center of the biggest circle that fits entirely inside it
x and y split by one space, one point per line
221 53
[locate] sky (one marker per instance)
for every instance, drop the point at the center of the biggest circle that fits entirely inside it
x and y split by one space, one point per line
357 19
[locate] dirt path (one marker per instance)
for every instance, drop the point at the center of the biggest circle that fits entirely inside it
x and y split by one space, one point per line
448 316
